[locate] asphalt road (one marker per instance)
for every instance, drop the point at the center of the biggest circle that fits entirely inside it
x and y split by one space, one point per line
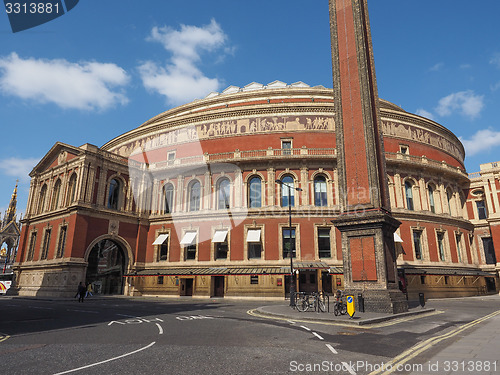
214 336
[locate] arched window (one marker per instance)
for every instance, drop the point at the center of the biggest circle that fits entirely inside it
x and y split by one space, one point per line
168 196
71 189
449 196
430 191
255 192
41 201
320 199
114 194
287 190
194 196
409 195
55 195
223 194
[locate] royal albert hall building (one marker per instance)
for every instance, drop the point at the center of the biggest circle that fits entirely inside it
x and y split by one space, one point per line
197 202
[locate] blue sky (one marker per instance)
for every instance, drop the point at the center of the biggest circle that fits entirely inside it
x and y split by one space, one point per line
108 66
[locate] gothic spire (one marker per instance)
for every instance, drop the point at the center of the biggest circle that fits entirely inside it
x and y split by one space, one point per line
11 211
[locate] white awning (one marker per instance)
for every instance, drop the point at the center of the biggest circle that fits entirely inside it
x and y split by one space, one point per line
220 236
397 238
253 235
188 238
160 240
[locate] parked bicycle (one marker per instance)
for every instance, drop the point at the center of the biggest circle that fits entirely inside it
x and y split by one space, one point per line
315 301
339 306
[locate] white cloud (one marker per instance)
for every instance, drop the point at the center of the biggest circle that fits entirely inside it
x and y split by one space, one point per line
422 112
180 80
17 167
436 67
467 103
84 85
482 140
495 60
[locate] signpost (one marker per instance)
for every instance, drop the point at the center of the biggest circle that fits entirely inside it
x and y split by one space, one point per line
350 306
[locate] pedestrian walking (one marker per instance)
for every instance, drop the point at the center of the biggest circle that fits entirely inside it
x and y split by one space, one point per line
89 290
81 291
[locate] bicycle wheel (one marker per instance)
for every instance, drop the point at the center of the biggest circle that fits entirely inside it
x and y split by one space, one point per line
336 309
343 309
321 305
301 305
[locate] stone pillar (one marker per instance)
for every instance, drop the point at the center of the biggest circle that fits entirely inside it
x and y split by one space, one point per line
365 222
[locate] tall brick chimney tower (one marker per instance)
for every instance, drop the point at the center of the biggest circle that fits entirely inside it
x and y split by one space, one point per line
365 222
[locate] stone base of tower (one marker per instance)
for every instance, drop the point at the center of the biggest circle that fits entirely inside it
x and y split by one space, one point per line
380 300
370 260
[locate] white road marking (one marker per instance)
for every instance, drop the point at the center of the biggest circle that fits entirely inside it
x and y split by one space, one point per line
85 311
332 349
307 329
291 321
107 360
318 336
159 328
348 368
128 316
42 308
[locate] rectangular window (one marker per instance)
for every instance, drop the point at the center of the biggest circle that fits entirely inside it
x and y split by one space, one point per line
404 149
417 243
62 242
162 242
324 249
422 279
189 243
254 244
160 279
489 250
440 238
46 243
458 238
163 251
254 250
288 243
220 244
254 279
481 210
446 280
286 145
171 158
31 250
191 252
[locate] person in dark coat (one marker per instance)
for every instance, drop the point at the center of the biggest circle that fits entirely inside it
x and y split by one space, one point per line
81 291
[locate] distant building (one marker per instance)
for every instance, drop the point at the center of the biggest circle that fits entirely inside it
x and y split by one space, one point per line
9 236
187 204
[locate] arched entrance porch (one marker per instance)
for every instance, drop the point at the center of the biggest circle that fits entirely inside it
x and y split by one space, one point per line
107 262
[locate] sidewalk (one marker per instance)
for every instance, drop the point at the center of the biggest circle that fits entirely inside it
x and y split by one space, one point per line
470 351
359 319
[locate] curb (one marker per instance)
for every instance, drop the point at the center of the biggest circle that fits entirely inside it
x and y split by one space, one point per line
359 322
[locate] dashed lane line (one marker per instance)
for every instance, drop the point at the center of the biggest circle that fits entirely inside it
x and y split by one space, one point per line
348 368
107 360
332 349
427 344
318 336
160 328
307 329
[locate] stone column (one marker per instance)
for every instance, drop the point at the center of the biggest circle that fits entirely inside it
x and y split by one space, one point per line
366 224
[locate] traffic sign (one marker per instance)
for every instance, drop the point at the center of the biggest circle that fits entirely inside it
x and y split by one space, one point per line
350 306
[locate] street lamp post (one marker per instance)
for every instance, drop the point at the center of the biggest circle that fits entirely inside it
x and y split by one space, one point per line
290 252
